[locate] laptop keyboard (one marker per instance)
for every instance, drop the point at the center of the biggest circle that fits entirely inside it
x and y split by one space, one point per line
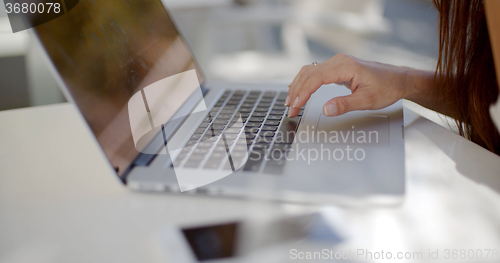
263 121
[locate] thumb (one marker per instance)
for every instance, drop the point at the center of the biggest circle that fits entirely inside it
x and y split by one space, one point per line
341 105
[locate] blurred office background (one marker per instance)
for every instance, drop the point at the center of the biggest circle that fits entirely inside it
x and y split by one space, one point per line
253 40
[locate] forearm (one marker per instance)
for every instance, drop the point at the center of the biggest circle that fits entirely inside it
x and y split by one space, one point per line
418 85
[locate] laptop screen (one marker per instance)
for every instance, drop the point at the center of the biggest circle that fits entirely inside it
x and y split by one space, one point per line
106 51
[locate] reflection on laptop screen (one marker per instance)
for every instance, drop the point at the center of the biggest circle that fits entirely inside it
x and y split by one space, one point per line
105 51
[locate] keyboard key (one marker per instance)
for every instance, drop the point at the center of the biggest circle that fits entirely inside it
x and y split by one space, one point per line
227 111
261 109
215 109
214 132
254 161
196 158
249 136
288 129
253 124
224 116
274 117
282 95
277 112
236 124
209 138
217 127
205 145
280 108
266 140
245 110
199 131
251 130
264 104
267 133
192 164
217 121
259 114
203 125
256 119
247 105
220 148
238 158
261 146
272 123
191 142
280 147
200 151
269 128
232 130
240 148
217 155
186 150
230 136
212 164
195 136
269 94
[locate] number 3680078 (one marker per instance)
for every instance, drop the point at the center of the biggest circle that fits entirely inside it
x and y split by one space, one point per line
33 8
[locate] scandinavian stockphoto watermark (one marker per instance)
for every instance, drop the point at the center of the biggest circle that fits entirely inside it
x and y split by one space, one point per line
381 255
312 146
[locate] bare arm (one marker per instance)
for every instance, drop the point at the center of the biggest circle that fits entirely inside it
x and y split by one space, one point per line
373 85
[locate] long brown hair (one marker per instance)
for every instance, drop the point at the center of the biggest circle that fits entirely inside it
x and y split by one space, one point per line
466 80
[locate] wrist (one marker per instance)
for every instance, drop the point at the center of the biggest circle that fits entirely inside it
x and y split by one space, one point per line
417 84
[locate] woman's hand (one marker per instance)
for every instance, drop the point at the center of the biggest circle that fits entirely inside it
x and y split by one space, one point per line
373 85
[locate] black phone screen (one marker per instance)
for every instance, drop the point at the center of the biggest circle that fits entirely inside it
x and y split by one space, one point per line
212 242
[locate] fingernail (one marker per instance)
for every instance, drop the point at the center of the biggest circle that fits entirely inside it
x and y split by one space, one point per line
286 101
296 102
330 109
289 112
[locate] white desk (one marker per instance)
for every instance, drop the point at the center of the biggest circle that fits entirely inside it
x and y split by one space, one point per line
59 202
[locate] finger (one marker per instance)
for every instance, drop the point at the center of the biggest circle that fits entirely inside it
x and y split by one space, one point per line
310 73
298 77
292 112
341 105
304 72
294 84
300 97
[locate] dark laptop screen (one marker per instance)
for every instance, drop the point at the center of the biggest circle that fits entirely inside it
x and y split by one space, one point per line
107 50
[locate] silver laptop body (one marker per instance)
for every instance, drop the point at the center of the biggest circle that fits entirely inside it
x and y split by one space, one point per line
102 58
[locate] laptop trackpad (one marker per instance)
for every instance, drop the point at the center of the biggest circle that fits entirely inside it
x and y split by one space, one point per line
355 128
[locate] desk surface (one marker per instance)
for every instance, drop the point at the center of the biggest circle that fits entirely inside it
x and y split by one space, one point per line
60 202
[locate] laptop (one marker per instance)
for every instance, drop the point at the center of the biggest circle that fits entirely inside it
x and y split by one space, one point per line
163 127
